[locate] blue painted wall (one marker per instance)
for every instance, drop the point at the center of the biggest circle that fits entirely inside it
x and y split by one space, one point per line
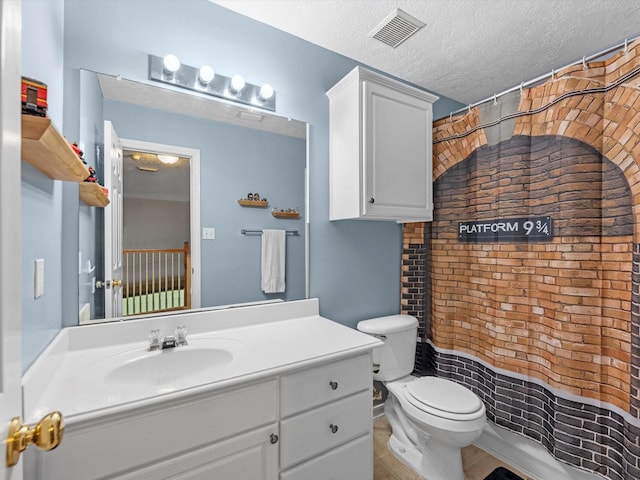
233 162
42 198
355 265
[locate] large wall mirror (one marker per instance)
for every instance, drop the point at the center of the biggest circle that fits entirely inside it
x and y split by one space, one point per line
186 240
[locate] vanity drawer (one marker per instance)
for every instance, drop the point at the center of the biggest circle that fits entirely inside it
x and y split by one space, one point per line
352 461
319 430
320 385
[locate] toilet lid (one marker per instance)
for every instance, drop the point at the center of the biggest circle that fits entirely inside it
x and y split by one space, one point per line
443 395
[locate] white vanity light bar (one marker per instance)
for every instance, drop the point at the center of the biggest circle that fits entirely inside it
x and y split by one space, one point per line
220 86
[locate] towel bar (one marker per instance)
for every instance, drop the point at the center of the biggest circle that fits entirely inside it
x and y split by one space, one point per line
247 231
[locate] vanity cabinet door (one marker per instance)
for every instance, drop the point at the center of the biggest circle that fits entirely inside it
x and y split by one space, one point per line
116 446
252 456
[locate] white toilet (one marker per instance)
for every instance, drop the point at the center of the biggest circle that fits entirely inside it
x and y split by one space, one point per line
431 418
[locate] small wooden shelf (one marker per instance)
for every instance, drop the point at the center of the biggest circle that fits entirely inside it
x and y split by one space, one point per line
93 195
279 214
47 150
253 203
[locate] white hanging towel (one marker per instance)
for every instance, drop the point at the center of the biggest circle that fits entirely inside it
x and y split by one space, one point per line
273 260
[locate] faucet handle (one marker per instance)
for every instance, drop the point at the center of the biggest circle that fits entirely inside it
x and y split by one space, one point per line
181 335
154 339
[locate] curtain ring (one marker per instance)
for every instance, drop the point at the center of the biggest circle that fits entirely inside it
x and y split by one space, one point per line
450 116
495 99
521 88
553 74
626 46
469 108
584 63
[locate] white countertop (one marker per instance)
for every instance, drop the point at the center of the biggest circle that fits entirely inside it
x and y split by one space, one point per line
267 340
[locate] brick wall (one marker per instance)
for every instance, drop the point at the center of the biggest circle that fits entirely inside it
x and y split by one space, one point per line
564 313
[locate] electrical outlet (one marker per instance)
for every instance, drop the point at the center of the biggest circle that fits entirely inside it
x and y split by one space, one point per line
208 233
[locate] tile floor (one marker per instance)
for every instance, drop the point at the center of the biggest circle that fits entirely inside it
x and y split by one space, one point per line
477 464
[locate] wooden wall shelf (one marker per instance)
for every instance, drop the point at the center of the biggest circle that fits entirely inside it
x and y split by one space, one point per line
279 214
47 150
92 195
253 203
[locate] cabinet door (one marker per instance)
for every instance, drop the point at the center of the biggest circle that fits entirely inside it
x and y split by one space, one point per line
251 456
397 154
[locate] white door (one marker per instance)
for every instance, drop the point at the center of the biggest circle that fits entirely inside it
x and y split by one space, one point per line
10 292
113 223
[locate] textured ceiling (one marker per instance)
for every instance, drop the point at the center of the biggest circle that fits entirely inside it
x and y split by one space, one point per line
469 49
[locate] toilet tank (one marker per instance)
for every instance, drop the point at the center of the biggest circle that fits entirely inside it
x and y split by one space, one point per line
397 356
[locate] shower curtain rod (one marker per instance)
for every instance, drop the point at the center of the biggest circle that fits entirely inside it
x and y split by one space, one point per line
584 61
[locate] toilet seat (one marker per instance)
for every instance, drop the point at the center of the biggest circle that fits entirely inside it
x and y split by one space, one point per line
443 398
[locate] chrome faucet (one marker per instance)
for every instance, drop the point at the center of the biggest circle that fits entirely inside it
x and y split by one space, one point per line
179 339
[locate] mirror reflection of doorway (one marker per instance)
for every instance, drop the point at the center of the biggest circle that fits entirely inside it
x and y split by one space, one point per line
160 224
156 233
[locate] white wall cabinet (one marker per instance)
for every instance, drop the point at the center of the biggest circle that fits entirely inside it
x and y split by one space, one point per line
306 423
380 149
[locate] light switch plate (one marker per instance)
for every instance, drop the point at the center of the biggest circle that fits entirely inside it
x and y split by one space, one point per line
208 233
38 278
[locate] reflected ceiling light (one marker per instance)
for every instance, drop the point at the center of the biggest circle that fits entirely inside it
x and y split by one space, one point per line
171 63
205 74
205 81
266 91
168 159
237 83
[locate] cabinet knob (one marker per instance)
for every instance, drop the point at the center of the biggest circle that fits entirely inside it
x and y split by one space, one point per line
333 385
372 200
334 428
273 438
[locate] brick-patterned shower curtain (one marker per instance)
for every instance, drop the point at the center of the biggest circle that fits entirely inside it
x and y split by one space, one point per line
547 329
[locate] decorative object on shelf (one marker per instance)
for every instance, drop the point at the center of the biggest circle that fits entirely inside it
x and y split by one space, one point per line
34 97
288 213
246 202
92 176
253 200
80 153
169 69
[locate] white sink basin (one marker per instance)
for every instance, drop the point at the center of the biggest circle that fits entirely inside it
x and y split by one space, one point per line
136 369
162 367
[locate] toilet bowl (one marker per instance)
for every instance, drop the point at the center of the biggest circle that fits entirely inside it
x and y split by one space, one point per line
431 418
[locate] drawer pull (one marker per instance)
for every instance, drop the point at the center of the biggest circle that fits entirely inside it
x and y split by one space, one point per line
334 428
273 438
333 385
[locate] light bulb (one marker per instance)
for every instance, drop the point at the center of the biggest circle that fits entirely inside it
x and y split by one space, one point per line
266 91
168 159
237 83
171 63
206 74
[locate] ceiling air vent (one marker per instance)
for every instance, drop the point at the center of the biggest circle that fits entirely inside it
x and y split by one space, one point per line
396 28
